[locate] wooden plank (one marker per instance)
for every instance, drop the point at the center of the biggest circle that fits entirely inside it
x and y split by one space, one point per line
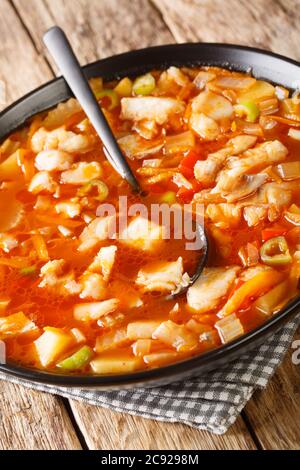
104 429
96 28
22 68
32 420
274 413
262 23
28 419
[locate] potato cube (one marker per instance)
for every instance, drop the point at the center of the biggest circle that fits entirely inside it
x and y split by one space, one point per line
141 329
113 365
51 344
111 340
176 336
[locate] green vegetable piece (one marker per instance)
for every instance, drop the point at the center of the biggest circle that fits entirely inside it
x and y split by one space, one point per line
28 271
249 109
77 360
275 252
102 188
144 85
112 95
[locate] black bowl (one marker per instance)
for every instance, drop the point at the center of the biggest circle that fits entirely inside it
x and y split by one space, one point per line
263 65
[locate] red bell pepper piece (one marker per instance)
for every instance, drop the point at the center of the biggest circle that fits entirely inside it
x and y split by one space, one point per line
269 233
186 166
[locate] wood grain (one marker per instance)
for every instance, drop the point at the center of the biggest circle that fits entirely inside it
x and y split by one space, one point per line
33 420
96 28
274 413
262 23
22 68
104 429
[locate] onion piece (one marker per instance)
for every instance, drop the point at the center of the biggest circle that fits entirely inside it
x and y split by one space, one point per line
179 142
288 170
235 83
294 133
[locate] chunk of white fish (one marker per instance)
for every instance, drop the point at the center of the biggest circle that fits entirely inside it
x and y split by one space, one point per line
211 286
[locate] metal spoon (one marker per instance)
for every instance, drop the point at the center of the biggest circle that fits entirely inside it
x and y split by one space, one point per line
64 56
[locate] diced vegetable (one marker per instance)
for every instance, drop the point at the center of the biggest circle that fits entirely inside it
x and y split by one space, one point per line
249 255
10 169
124 87
294 134
53 343
28 271
78 360
202 78
268 233
213 106
15 325
248 109
288 170
161 358
114 365
4 302
179 142
257 285
144 85
78 335
40 247
17 262
176 336
186 166
111 95
111 340
142 347
57 116
141 329
235 83
102 190
229 328
196 327
275 252
267 303
95 310
259 91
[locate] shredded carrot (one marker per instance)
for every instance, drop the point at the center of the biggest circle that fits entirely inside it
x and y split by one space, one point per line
288 122
54 220
16 262
40 247
26 163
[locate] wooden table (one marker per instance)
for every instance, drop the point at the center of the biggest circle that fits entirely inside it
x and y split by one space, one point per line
99 28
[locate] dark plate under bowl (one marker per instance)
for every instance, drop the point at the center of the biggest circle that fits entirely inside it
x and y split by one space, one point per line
263 65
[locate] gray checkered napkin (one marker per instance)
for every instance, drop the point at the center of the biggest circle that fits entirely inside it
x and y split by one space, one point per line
211 402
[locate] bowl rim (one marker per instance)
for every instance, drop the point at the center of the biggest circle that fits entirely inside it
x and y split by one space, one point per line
171 372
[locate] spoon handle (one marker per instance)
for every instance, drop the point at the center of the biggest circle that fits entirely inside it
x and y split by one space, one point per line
63 54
